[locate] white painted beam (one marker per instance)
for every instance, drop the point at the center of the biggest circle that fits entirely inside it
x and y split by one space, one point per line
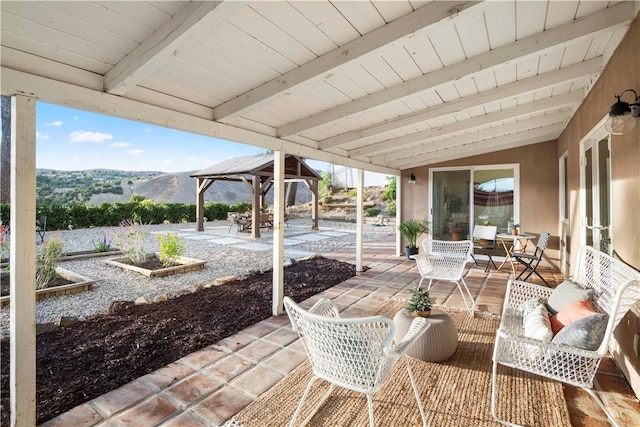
520 139
410 140
536 44
60 93
22 371
399 157
193 21
278 232
511 90
316 69
398 214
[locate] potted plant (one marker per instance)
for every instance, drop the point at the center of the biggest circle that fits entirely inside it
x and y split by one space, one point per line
411 229
420 304
514 230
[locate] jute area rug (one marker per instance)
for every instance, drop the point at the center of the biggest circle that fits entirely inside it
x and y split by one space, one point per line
454 393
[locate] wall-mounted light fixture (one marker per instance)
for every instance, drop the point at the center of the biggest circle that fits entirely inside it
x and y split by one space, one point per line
412 179
623 115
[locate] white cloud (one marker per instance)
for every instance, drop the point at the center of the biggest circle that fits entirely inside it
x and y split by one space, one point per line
84 136
40 135
134 152
148 130
167 161
119 145
55 123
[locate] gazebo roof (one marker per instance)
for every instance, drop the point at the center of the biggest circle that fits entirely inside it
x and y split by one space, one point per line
262 164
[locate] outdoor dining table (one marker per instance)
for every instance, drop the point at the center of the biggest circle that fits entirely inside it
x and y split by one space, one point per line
516 242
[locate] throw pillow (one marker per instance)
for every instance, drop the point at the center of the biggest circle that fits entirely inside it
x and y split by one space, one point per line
586 333
566 293
571 313
537 325
528 306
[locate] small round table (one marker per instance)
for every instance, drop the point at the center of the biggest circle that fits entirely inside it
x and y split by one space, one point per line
437 343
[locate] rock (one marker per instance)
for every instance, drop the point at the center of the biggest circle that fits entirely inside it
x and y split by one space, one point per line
142 300
200 286
118 306
224 280
66 321
160 298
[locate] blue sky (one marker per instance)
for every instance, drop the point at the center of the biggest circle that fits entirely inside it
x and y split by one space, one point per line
69 139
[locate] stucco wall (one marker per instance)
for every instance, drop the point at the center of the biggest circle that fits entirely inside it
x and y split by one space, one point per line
621 72
538 189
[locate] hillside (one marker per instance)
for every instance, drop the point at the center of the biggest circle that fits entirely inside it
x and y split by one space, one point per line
180 188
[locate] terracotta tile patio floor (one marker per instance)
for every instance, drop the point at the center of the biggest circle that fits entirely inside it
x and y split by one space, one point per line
208 387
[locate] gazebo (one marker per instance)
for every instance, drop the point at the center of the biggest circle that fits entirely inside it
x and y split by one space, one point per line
257 173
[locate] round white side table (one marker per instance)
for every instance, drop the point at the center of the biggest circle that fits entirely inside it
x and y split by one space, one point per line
437 343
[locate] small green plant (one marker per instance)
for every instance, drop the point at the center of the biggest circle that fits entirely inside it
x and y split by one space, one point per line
325 186
390 191
419 301
49 254
170 249
352 192
413 228
130 239
391 208
371 212
5 243
102 245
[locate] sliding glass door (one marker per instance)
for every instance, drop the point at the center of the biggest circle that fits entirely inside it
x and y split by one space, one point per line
463 197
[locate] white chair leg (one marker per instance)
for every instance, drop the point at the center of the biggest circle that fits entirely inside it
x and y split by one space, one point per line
304 397
415 391
602 405
494 392
473 303
372 422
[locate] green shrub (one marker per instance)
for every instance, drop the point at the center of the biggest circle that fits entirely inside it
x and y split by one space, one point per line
130 238
325 185
391 208
170 249
390 191
103 244
371 212
49 255
353 192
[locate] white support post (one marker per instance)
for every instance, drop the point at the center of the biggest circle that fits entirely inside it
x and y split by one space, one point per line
398 214
359 222
278 232
255 212
22 360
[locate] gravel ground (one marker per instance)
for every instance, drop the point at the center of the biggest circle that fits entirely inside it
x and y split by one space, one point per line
113 283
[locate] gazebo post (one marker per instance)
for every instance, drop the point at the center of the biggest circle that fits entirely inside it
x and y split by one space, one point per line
313 186
202 185
255 216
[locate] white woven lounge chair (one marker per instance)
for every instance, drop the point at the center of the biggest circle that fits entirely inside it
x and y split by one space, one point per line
445 260
615 288
355 353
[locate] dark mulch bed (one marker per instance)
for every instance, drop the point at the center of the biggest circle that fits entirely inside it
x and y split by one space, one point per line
87 359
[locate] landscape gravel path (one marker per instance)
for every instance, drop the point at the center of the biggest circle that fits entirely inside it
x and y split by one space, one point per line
226 254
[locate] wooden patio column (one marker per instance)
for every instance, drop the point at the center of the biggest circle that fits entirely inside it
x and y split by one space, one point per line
313 186
278 232
255 211
359 222
22 359
202 185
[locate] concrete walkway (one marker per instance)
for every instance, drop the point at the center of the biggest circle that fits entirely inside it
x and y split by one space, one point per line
208 387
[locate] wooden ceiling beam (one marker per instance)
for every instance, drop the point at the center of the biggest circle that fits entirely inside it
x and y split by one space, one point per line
535 44
569 98
317 68
194 20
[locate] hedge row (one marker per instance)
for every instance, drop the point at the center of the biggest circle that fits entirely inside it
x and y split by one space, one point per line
78 215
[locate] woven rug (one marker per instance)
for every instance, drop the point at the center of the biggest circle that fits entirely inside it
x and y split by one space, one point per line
454 393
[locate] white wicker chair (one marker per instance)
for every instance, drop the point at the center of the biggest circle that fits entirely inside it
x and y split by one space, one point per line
616 287
446 260
355 353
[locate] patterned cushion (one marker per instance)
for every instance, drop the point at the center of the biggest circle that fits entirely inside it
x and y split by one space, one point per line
537 325
571 313
566 293
528 306
585 333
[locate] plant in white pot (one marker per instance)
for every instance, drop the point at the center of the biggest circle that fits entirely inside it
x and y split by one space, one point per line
411 230
419 303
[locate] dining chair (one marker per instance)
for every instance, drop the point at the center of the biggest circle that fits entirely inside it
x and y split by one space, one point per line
531 261
445 260
355 353
484 240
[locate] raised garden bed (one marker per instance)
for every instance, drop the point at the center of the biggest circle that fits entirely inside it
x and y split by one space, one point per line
69 256
184 265
79 284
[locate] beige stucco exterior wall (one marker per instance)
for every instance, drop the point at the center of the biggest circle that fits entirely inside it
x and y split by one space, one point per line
622 72
538 189
539 184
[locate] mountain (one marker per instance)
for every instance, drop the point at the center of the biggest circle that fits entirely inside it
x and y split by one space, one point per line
180 188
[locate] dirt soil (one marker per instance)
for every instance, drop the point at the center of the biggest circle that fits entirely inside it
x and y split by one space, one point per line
80 362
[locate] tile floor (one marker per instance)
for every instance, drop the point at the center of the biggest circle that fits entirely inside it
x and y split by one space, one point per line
208 387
